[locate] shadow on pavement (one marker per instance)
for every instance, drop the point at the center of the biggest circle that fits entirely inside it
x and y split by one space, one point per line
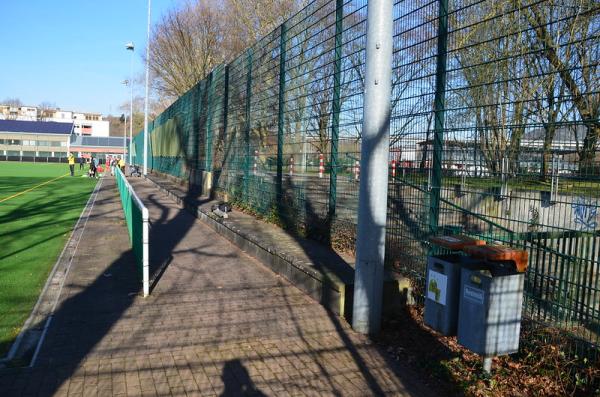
94 298
350 339
237 381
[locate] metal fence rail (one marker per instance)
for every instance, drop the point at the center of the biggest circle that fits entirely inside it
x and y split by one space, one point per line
494 133
136 218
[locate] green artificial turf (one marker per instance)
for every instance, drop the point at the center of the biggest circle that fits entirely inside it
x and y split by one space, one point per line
34 227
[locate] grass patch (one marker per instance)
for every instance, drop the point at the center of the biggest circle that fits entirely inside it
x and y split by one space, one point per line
34 227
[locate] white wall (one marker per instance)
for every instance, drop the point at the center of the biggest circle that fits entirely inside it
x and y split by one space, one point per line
61 116
98 128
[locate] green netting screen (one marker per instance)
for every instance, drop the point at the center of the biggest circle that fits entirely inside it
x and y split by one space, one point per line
515 160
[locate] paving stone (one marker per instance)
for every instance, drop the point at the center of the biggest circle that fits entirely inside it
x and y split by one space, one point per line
218 321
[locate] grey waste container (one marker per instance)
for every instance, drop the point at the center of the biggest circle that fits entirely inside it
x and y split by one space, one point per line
489 319
442 291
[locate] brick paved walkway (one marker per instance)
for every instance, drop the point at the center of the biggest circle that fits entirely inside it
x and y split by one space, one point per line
217 323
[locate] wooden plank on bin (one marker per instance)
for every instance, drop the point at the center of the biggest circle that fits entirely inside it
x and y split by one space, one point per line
500 253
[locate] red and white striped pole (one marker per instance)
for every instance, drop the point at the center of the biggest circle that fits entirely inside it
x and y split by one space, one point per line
393 168
291 166
255 161
356 170
321 166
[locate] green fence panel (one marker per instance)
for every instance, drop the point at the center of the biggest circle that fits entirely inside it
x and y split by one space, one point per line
494 134
136 220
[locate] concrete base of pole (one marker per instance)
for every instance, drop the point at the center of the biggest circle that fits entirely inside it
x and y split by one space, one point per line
487 365
368 294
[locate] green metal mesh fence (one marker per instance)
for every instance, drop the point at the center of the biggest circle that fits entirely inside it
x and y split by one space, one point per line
511 156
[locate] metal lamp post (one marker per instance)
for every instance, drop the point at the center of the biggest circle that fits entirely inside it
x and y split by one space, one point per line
146 96
125 83
372 202
129 47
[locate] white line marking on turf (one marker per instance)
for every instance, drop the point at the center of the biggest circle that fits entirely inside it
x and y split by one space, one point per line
62 283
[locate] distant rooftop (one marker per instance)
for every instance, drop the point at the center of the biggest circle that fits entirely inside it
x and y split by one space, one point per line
35 127
104 141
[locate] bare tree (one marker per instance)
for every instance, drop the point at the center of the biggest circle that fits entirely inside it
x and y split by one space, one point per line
45 110
193 39
12 102
547 105
249 20
185 46
567 36
493 88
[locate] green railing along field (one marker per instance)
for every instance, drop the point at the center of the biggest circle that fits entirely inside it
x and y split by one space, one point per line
513 157
138 228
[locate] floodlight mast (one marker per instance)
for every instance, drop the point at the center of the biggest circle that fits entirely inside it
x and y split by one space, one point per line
130 47
372 202
146 96
125 83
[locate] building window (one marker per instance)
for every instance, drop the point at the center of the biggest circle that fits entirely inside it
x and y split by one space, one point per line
14 142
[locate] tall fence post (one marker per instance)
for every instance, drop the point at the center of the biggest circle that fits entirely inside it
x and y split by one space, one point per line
281 114
208 126
372 208
439 113
150 150
335 107
246 164
197 109
225 101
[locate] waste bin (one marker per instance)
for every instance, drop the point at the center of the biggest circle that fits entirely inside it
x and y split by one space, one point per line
490 301
443 283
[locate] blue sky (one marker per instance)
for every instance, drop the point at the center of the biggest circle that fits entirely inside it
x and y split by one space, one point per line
72 52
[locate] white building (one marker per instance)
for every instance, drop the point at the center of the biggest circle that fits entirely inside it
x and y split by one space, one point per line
86 124
24 113
24 140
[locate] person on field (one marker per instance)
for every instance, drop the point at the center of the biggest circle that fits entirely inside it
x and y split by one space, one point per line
122 165
113 165
80 163
72 164
92 172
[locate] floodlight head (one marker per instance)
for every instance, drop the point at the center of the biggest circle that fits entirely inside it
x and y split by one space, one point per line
125 82
129 46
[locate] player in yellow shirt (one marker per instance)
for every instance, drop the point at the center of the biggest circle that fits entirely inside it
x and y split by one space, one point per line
72 164
122 165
